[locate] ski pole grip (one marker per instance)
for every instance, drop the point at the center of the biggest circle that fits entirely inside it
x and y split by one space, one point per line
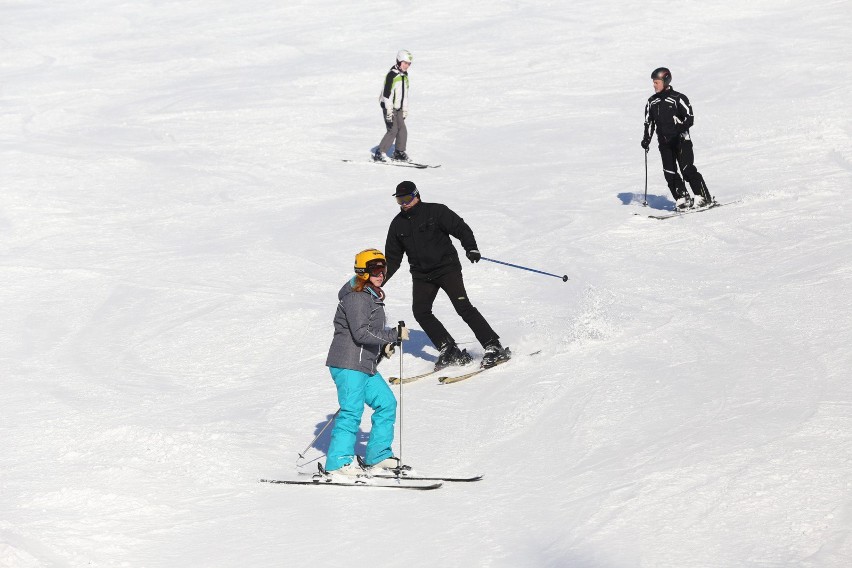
399 332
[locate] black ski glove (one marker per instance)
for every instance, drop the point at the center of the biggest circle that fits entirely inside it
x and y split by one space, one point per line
388 349
646 143
473 255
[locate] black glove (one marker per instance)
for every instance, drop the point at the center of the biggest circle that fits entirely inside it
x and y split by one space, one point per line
473 255
388 349
646 143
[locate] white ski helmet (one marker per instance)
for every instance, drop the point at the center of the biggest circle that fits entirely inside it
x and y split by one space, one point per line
404 55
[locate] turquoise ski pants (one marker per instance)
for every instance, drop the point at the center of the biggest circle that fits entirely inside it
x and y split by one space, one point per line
354 390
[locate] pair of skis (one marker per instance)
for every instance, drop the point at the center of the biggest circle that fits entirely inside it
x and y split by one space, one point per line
448 380
398 163
444 380
398 480
401 478
672 214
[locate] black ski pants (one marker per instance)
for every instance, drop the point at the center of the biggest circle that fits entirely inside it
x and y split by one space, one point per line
679 152
423 295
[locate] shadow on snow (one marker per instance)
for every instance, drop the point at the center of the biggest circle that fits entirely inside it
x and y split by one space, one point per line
660 202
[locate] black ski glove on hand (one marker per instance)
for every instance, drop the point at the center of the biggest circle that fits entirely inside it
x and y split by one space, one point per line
387 351
646 143
474 255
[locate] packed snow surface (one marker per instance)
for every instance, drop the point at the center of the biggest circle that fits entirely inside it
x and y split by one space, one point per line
176 220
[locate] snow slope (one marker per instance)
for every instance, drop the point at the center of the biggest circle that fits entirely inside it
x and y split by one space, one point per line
176 221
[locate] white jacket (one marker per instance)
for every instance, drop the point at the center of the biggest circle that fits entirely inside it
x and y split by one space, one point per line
395 91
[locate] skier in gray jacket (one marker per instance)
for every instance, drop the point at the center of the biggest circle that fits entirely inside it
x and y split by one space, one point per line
360 341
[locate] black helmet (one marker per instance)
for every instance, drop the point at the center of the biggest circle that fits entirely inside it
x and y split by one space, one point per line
663 74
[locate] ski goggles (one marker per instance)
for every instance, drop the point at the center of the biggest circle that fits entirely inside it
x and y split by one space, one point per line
374 268
405 199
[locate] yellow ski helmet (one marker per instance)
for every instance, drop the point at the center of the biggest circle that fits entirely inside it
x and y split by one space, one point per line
368 260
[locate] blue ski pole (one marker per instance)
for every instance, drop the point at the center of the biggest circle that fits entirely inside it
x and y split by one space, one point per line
564 278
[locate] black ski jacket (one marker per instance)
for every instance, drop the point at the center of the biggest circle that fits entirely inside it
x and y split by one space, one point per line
671 114
423 233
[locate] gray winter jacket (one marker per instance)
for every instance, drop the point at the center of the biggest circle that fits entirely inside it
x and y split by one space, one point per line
359 331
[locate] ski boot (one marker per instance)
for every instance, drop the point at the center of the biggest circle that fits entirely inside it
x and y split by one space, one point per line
388 466
702 194
683 203
349 473
452 355
494 354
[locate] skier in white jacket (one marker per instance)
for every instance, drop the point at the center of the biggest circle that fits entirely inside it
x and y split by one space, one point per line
394 103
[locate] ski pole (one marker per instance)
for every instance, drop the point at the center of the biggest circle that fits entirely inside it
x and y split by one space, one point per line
327 424
645 201
399 340
564 278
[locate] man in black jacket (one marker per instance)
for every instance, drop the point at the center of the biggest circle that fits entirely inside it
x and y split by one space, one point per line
422 231
671 114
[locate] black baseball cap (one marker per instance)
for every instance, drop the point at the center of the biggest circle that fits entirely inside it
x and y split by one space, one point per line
406 188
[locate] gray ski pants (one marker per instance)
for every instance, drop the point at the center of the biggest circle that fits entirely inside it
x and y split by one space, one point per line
396 131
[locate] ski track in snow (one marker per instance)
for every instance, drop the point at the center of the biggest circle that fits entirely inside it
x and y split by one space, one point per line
176 223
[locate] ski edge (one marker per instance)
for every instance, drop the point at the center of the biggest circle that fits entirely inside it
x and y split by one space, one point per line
435 478
425 487
457 378
398 163
406 380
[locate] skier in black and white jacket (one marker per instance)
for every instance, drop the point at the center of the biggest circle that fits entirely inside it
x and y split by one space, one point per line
670 113
394 103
